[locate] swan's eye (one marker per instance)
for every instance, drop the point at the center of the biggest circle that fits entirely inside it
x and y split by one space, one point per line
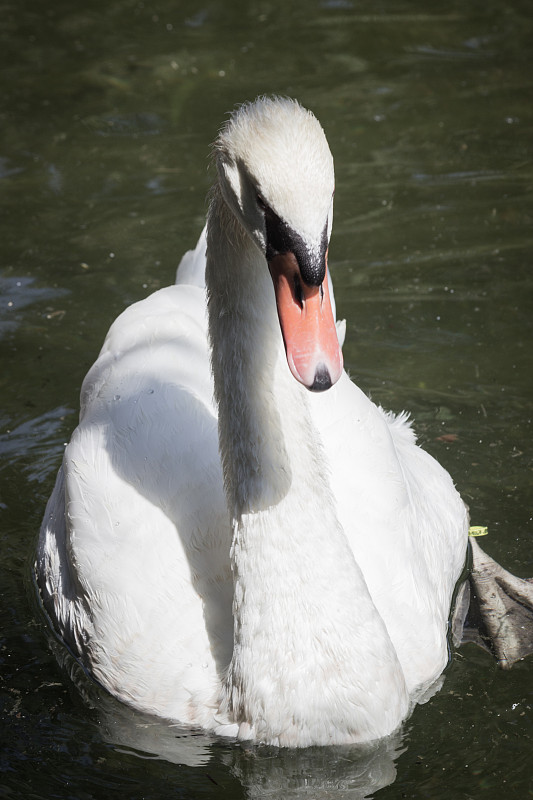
260 202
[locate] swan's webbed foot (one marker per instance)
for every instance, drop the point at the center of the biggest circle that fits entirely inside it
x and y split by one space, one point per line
500 615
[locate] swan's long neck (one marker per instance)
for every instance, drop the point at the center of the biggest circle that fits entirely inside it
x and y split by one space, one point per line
307 637
271 452
246 350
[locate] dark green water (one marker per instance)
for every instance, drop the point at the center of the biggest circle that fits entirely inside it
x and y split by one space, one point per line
106 117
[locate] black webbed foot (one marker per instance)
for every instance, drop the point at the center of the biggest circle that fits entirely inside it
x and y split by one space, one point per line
500 614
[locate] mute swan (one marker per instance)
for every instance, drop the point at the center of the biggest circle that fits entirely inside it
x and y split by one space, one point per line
228 544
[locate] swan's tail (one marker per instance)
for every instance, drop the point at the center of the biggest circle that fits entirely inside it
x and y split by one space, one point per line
191 268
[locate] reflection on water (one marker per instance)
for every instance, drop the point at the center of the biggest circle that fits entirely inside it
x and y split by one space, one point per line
347 772
108 111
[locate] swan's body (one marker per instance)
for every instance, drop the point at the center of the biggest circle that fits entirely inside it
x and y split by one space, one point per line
294 589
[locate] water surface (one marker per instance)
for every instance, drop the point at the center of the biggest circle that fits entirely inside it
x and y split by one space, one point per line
107 115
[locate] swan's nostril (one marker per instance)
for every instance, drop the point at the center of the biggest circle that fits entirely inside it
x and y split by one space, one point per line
322 380
298 291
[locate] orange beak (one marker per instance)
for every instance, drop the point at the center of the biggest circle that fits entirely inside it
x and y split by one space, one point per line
307 325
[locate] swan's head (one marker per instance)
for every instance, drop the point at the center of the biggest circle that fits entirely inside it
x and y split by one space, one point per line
276 174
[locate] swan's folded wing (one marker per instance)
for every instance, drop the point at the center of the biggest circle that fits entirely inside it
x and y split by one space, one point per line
405 522
145 551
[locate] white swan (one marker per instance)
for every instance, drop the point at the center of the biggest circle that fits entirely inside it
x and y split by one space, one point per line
294 589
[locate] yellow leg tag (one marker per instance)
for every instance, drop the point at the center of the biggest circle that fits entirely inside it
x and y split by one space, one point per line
478 530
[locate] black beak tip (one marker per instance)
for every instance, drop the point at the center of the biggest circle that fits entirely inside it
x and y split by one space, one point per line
322 380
